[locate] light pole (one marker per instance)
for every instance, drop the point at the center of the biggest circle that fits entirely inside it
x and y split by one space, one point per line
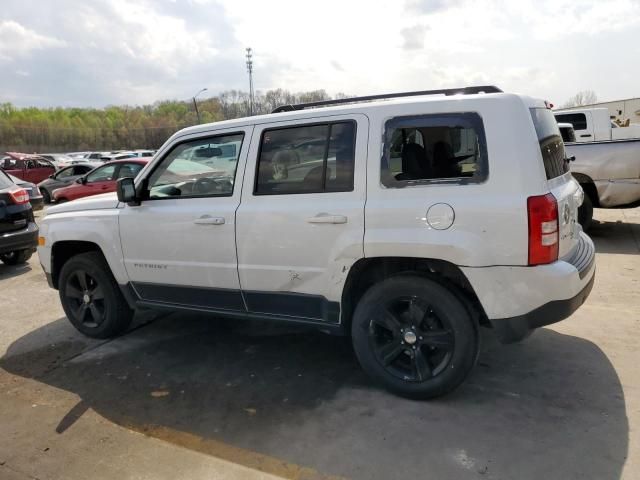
195 104
250 70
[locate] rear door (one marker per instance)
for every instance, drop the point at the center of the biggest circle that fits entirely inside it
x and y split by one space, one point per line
563 186
300 225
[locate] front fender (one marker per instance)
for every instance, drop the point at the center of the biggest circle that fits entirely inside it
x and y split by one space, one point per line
99 227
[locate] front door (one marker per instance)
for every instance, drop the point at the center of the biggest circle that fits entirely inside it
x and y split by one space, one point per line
179 243
300 225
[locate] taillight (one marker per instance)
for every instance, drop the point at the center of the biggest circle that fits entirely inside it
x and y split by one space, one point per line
19 196
543 229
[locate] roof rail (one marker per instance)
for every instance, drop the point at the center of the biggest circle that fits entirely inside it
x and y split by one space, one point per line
368 98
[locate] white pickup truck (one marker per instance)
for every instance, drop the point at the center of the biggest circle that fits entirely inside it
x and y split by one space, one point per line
594 124
608 170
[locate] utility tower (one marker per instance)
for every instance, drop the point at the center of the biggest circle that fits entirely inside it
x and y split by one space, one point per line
250 71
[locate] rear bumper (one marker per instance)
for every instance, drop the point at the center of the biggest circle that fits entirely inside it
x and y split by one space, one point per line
509 330
26 238
519 299
36 203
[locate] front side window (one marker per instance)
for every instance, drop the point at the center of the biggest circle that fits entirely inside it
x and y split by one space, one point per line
307 159
434 149
203 167
129 170
65 172
102 174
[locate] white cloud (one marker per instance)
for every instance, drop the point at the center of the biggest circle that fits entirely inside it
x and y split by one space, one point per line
16 40
139 51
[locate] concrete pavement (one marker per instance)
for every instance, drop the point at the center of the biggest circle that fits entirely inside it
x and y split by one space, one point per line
185 396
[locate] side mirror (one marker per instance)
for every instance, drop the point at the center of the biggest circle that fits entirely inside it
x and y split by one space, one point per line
79 180
127 191
52 175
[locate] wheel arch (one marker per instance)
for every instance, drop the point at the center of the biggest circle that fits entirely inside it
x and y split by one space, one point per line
368 271
589 187
63 250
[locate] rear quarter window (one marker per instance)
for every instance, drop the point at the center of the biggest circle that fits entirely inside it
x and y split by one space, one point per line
551 144
434 148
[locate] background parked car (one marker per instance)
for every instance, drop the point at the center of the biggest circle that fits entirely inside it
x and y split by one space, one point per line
118 156
95 156
35 197
100 180
64 177
32 168
60 160
18 230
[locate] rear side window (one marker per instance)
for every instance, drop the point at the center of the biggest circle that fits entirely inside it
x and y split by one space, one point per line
81 169
307 159
551 144
578 120
5 181
444 148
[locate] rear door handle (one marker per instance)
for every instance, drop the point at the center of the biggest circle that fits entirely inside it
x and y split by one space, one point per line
588 135
209 220
327 218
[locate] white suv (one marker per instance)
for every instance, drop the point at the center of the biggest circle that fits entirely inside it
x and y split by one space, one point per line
406 222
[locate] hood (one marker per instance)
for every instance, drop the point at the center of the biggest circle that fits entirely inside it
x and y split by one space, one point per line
95 202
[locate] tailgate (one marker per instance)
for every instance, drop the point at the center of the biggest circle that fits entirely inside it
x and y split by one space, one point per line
569 196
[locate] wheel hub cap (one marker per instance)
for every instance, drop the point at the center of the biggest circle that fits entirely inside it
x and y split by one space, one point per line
410 337
86 298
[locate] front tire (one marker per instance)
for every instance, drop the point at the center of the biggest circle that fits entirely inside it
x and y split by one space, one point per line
16 257
414 336
91 297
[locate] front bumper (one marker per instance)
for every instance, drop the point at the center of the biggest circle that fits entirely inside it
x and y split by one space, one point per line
509 330
26 238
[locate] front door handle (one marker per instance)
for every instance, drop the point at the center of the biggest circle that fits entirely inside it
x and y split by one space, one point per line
327 218
209 220
588 135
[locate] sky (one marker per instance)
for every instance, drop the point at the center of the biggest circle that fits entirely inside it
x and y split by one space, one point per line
94 53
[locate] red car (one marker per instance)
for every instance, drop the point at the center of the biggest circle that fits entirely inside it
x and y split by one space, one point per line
27 167
100 180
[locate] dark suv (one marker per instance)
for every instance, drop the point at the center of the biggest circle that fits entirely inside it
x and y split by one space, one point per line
18 229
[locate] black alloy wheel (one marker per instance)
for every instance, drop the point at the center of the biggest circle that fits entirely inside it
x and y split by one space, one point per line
410 340
416 335
91 297
85 296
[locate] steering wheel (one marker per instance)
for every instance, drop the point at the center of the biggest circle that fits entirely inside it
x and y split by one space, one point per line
204 185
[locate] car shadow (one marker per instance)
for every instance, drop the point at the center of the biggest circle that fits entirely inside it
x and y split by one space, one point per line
551 407
615 237
9 271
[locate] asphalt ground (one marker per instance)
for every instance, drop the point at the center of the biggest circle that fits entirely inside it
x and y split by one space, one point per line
194 397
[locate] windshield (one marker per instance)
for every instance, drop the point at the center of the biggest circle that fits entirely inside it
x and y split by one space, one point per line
551 144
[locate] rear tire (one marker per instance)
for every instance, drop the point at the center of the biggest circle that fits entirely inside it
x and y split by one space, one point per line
585 213
414 336
17 257
91 297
